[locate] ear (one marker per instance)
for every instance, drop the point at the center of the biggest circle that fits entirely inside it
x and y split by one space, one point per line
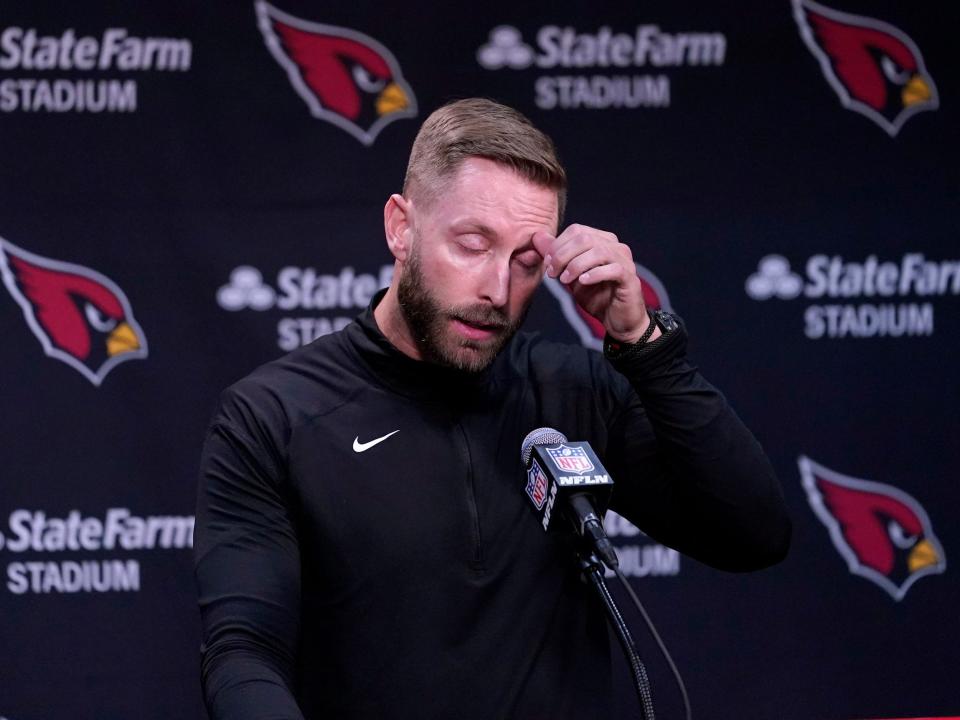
398 225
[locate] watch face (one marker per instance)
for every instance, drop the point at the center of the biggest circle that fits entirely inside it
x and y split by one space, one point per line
665 321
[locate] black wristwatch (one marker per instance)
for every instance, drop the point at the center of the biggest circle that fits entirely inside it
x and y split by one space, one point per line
671 342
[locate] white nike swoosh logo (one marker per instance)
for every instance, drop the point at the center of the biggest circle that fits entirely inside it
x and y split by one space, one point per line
361 447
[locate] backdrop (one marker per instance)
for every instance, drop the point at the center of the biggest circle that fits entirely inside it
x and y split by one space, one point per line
189 190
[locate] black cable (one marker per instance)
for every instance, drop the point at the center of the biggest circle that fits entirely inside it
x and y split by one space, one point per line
593 570
656 637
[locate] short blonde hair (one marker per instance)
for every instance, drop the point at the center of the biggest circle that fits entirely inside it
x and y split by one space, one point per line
477 127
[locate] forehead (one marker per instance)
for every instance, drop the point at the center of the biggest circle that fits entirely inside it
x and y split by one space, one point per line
497 195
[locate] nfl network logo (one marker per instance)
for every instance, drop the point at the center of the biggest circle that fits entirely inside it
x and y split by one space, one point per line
570 459
536 486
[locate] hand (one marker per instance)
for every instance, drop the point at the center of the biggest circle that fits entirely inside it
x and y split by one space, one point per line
600 272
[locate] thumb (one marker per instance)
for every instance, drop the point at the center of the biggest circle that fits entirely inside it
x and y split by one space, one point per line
543 242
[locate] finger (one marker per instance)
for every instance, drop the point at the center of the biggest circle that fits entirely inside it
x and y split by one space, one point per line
577 239
543 242
562 255
612 272
590 257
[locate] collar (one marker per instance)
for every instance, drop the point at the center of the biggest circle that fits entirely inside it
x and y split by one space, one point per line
404 374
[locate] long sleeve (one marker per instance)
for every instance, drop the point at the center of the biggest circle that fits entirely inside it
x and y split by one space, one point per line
247 568
701 483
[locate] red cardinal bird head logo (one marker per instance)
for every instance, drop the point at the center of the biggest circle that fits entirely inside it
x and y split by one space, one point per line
78 315
882 533
875 68
588 328
345 77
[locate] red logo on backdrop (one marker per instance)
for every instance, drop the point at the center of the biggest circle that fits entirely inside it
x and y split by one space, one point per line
346 78
875 68
79 316
588 328
882 533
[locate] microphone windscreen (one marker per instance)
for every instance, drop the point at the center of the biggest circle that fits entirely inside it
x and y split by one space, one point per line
540 436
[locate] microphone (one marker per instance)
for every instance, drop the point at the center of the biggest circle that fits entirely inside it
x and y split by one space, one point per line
566 479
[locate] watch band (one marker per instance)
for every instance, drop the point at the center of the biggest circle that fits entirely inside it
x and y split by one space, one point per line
642 356
613 348
651 328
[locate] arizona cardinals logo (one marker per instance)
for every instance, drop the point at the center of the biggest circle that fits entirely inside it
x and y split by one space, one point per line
345 77
588 328
874 67
882 533
79 316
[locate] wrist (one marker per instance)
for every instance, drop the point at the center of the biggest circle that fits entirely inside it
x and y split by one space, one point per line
648 331
670 337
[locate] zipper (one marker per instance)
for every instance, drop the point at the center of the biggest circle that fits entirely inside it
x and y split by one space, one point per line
476 563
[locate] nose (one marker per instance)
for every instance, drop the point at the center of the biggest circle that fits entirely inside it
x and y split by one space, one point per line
496 283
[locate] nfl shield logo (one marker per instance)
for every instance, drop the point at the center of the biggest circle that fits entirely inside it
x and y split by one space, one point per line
570 459
536 485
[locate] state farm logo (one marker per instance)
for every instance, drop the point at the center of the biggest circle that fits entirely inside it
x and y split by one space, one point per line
80 317
833 277
884 534
76 542
645 46
345 77
590 330
333 299
875 68
774 277
505 49
86 58
246 290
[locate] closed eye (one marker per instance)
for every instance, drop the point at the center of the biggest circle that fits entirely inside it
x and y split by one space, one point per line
529 260
473 243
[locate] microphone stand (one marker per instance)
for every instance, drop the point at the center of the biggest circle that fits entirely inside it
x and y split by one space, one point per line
592 570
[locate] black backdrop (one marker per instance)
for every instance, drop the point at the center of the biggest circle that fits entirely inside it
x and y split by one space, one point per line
195 197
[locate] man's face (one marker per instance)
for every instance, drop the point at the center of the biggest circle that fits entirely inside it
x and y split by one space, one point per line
470 276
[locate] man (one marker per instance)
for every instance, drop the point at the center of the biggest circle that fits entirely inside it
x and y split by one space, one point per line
364 548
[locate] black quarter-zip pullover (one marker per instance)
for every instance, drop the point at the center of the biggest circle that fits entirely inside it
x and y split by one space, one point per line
364 548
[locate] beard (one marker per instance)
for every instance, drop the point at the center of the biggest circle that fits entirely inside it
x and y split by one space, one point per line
429 323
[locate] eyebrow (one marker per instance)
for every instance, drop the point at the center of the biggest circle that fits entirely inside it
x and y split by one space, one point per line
474 225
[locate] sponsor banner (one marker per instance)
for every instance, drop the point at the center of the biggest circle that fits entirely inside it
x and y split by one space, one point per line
69 72
305 302
872 297
638 559
623 67
53 554
884 534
